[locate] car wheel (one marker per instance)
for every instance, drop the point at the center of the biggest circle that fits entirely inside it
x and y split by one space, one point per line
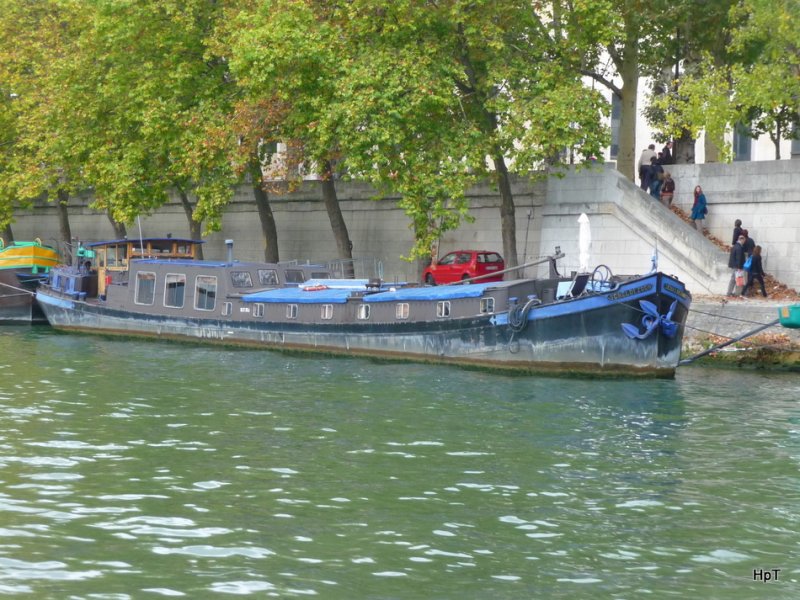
465 276
429 279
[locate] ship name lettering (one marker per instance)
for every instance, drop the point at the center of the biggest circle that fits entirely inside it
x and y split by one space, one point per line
628 293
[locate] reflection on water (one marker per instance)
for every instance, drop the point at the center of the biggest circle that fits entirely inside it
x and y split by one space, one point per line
134 469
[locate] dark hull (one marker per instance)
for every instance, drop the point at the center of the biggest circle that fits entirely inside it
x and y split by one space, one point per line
580 336
18 298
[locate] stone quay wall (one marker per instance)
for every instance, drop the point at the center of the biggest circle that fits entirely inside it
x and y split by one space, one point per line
627 225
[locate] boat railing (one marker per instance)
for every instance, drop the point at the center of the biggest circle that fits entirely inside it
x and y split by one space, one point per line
346 268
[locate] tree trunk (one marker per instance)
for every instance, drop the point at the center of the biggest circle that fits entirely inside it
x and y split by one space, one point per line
508 222
8 235
339 227
629 70
63 220
195 228
268 228
684 149
120 232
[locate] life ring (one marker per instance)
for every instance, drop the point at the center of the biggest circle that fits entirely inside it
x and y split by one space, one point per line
315 288
38 241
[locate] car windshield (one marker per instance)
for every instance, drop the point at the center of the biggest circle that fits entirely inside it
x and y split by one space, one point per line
448 259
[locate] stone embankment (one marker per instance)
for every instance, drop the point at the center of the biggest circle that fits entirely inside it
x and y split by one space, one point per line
715 320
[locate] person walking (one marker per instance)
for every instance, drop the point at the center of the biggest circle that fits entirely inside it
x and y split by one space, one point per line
737 230
699 209
667 189
749 243
666 154
644 164
756 273
736 264
656 178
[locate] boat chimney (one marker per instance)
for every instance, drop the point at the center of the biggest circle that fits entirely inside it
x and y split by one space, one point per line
229 246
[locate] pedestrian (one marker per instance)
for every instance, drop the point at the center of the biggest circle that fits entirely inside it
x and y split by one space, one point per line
656 176
667 189
749 243
666 154
644 164
699 208
737 230
756 272
736 265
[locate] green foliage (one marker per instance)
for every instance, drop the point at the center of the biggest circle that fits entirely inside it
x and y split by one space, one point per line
414 96
754 79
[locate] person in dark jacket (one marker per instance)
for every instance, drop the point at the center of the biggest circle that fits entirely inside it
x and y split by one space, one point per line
756 272
749 244
736 263
666 154
656 178
737 230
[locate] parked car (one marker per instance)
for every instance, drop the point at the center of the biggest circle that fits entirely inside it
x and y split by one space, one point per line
465 264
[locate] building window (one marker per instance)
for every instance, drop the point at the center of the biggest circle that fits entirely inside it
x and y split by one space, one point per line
227 309
175 290
291 311
145 288
741 142
616 116
205 295
327 311
795 148
363 311
443 308
401 310
487 305
258 309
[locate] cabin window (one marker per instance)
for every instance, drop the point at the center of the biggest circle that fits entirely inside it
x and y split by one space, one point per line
175 290
487 305
401 310
294 276
227 309
205 296
291 311
115 256
145 287
258 309
320 275
443 308
241 279
327 311
267 277
363 311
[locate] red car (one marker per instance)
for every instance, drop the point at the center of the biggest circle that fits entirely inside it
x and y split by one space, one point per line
465 264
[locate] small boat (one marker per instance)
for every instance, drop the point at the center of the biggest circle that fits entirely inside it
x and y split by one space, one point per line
789 316
590 323
22 266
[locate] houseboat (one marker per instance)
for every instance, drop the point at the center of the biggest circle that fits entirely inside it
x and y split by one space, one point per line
590 323
22 266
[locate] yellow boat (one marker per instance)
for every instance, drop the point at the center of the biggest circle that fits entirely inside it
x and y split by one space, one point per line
22 266
27 255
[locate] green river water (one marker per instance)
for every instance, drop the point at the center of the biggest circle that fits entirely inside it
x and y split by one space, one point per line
136 469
